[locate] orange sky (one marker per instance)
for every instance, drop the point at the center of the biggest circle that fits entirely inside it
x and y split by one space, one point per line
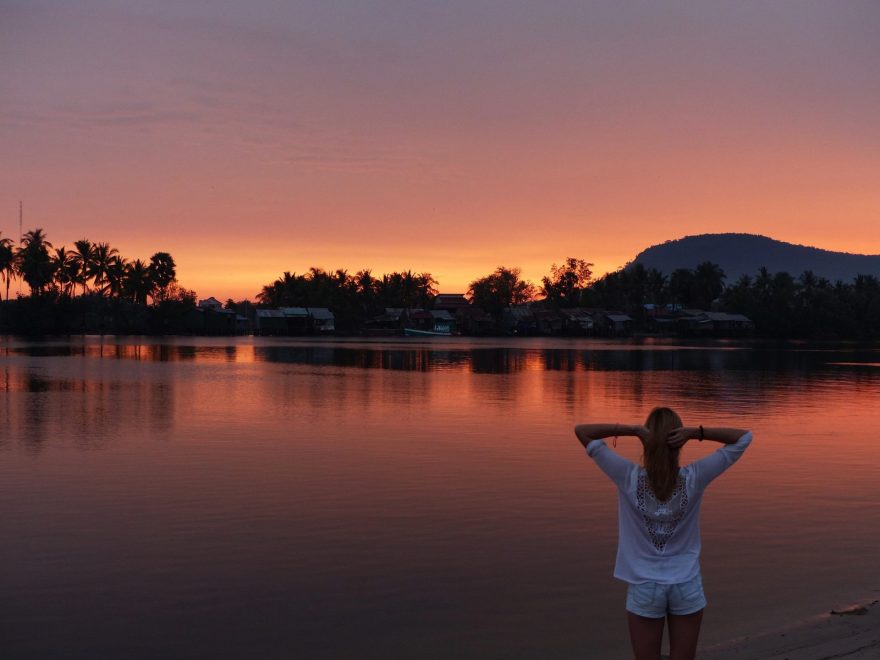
252 138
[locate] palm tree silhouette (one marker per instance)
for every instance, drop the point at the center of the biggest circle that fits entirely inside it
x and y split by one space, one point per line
84 258
64 270
137 283
102 260
33 260
7 261
708 283
162 271
116 272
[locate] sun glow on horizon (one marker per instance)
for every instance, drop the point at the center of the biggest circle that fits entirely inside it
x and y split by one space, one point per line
276 137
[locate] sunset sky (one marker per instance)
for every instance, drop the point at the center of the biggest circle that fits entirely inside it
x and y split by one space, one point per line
451 136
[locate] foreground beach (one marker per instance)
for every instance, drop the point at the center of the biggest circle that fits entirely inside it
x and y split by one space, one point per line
852 633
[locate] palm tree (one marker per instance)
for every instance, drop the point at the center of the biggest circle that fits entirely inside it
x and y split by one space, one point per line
409 289
33 260
162 271
655 284
7 261
636 278
708 283
64 269
116 272
681 286
84 257
763 283
807 290
137 283
365 286
103 258
268 294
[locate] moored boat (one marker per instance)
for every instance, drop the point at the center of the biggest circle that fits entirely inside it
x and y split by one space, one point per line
412 332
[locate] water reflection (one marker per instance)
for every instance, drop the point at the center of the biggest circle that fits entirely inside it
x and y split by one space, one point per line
502 356
429 500
89 408
726 372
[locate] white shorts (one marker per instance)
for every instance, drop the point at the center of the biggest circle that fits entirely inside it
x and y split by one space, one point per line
654 600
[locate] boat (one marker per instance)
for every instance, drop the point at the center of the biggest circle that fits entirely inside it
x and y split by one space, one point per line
412 332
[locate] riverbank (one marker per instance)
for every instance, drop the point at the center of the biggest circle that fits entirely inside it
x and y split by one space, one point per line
852 633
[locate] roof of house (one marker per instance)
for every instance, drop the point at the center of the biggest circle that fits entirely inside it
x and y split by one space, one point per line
450 300
547 313
321 313
618 318
211 300
576 313
442 315
283 313
520 312
295 312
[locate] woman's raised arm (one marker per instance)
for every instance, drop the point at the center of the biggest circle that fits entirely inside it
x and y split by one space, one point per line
588 432
724 435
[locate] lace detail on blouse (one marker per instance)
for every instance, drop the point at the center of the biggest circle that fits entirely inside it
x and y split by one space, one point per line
661 518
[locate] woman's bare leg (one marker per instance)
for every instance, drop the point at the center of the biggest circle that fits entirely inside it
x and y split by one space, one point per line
646 636
683 634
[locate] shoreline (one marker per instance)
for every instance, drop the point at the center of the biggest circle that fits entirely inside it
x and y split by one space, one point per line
852 632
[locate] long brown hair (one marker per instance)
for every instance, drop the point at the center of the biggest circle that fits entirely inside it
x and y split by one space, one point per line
661 460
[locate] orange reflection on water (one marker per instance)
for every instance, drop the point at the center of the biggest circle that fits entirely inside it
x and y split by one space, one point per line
369 481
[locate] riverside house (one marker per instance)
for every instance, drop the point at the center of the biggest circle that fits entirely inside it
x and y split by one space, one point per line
718 324
451 302
615 324
283 321
323 320
211 303
577 321
296 321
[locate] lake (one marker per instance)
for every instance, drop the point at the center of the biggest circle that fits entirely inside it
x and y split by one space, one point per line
284 498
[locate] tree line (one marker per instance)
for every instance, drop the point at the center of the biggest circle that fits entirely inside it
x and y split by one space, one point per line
88 269
807 306
371 294
781 305
90 288
353 298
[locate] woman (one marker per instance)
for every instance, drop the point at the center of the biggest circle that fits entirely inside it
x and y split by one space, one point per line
658 551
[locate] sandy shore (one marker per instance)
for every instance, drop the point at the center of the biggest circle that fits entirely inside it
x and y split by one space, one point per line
852 633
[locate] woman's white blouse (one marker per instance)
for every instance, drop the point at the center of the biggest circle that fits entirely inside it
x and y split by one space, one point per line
660 541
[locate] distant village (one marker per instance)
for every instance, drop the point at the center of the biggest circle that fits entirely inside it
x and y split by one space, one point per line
91 288
452 314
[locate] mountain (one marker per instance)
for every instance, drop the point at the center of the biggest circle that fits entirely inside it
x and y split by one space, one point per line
744 254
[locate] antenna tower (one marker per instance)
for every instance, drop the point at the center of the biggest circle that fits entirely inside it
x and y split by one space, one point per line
20 236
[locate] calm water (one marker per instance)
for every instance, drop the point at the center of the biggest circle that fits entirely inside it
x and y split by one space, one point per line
286 499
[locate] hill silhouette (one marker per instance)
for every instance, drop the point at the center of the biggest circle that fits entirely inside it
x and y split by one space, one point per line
745 254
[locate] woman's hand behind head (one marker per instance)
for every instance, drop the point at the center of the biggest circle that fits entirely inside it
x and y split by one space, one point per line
678 437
